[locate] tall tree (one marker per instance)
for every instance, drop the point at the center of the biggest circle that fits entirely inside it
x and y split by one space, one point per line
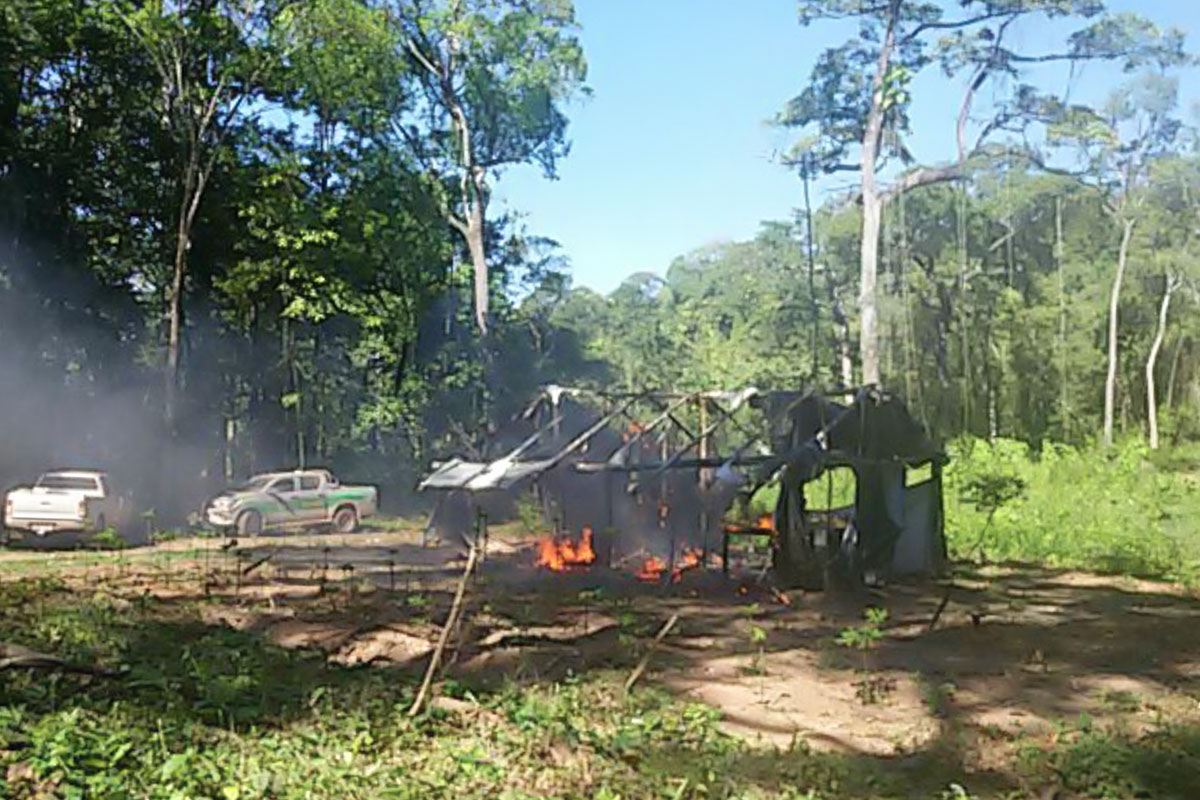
858 98
494 77
1117 147
1175 187
203 55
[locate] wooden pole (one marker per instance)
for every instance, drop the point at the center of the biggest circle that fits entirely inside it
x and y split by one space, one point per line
664 512
436 659
702 478
641 666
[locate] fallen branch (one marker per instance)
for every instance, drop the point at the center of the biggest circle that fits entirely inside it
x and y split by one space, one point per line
941 607
641 667
546 633
257 564
14 656
451 623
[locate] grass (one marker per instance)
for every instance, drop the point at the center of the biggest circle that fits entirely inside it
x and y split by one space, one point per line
208 712
1124 510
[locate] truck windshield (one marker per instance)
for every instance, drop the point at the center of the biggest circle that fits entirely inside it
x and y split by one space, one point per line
66 482
255 484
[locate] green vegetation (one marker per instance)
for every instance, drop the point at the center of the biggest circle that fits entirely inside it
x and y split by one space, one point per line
1117 510
205 712
239 234
242 223
1123 510
864 638
866 635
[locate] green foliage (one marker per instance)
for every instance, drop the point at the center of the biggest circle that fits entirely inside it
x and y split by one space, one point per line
864 636
107 539
758 639
1110 766
1136 518
322 318
835 489
211 712
532 517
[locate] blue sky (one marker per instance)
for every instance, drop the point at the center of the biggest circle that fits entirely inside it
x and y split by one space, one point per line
673 151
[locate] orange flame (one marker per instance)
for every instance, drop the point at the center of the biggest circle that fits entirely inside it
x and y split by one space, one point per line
558 555
691 560
653 568
766 522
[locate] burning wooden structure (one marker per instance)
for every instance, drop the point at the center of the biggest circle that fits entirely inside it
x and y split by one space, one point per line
648 478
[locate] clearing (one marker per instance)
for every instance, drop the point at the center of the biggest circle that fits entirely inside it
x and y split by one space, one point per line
1032 682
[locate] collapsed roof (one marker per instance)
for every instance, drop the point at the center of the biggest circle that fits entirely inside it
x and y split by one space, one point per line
661 469
804 428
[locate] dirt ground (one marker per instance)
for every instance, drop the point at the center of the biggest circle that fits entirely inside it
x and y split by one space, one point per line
1015 651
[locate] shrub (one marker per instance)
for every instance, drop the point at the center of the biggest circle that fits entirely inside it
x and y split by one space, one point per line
1114 510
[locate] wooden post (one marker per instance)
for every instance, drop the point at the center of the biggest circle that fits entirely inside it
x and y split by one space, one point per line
481 532
664 512
435 659
610 524
641 665
725 553
939 514
702 477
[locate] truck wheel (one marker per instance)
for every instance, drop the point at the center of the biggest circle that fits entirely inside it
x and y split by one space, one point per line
249 523
345 520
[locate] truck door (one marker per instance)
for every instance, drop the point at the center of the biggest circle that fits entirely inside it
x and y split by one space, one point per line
311 499
282 509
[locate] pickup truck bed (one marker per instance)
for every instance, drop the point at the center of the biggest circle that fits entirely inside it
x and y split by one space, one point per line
75 500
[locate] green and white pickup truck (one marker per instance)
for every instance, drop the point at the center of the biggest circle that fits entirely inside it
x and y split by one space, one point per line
285 500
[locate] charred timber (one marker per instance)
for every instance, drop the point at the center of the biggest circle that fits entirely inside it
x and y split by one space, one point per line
830 460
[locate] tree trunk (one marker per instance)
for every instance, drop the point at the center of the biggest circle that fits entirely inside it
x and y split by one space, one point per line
175 325
1174 371
1151 400
963 312
845 365
872 205
1062 318
474 237
868 300
812 285
183 235
1110 380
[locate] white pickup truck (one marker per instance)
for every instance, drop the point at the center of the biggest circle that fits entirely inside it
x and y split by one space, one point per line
66 500
298 499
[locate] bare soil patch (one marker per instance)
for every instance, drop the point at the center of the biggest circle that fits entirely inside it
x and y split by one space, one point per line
1016 651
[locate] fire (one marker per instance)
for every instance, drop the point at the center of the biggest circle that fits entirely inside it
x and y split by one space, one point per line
653 568
691 560
557 555
766 522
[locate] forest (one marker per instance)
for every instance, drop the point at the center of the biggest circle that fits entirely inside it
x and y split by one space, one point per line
258 234
247 235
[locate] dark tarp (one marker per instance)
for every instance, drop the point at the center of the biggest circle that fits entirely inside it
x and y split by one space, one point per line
897 529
